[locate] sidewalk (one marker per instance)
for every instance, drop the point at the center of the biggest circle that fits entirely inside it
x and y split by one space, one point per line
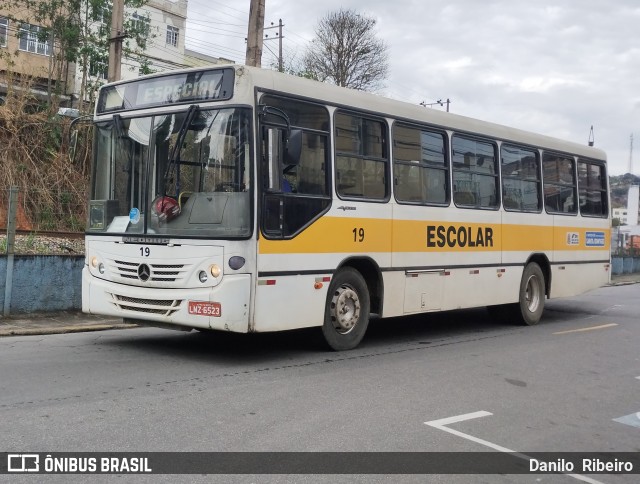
57 323
74 321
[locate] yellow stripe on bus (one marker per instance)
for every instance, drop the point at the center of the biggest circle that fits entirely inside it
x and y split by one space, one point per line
335 235
367 235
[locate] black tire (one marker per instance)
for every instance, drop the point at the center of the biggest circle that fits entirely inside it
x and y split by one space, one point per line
346 314
528 310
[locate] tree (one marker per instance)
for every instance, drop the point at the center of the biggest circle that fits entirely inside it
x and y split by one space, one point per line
346 52
79 31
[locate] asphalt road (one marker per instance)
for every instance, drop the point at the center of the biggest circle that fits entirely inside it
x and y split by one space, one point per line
571 383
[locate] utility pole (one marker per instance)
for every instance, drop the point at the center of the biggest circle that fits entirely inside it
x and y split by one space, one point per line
631 154
115 41
279 36
255 33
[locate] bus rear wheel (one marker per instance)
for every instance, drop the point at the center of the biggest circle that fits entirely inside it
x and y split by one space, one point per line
528 310
346 314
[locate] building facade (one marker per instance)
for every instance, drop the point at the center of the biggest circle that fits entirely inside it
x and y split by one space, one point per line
630 214
26 57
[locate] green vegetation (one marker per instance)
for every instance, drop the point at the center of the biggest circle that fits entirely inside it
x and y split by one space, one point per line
620 188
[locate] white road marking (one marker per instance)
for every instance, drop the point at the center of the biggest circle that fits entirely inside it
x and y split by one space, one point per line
591 328
632 419
442 423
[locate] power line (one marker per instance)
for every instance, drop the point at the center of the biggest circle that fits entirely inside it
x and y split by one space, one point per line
217 32
207 6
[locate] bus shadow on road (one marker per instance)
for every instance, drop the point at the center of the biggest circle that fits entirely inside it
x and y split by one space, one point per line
233 348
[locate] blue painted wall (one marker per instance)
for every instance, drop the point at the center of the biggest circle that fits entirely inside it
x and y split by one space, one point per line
54 282
625 265
43 283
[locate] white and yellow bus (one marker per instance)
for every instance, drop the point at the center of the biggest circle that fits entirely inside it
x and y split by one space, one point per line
239 199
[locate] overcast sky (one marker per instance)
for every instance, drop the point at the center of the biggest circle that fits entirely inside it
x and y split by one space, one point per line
552 67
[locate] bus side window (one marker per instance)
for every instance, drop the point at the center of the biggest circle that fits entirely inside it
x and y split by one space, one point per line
420 165
362 167
521 183
475 173
560 194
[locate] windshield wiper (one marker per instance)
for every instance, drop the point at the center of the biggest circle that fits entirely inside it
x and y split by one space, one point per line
174 158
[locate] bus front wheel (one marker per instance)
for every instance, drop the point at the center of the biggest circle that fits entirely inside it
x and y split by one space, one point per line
346 314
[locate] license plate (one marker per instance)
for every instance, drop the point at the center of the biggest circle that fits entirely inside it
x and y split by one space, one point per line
204 308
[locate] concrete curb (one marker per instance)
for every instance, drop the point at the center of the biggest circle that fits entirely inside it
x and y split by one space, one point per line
623 283
64 329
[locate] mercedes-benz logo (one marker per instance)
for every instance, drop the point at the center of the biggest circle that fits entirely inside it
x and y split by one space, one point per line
144 272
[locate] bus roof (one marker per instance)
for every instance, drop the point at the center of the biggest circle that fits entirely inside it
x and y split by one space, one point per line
269 80
340 96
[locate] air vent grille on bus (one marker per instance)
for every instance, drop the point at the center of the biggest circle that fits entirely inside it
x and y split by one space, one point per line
164 307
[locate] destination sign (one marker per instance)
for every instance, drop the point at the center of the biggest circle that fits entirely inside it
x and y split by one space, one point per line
186 87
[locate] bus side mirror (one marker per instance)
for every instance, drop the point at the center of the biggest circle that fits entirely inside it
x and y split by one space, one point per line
293 150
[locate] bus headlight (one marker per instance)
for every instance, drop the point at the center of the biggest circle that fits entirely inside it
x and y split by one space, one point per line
202 275
215 270
96 264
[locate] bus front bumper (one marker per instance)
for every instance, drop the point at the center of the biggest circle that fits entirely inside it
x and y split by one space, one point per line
224 307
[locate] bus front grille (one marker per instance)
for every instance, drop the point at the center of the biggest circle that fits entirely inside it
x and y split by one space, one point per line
159 272
163 307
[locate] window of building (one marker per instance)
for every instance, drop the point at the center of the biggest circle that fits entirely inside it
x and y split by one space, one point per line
99 69
141 24
362 160
420 167
521 183
592 189
102 13
4 31
172 35
33 38
475 173
558 172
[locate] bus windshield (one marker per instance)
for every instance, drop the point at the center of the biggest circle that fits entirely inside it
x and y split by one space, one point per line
179 174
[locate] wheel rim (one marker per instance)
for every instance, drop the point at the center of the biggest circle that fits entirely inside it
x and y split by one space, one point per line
532 294
345 309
